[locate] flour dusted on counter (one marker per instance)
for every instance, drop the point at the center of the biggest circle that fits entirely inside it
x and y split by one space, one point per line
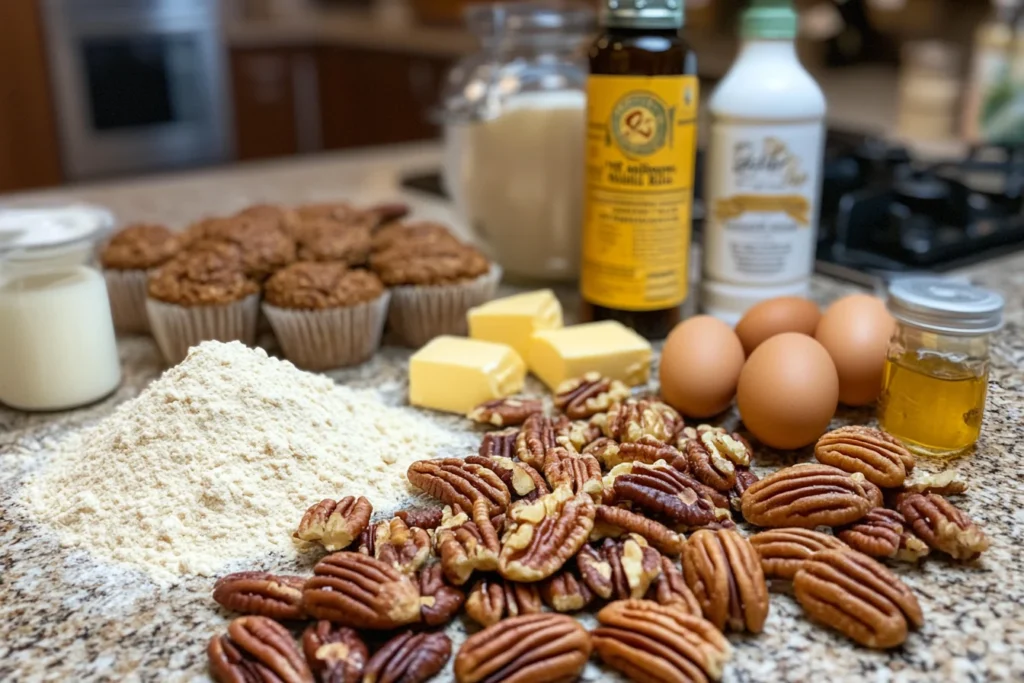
218 459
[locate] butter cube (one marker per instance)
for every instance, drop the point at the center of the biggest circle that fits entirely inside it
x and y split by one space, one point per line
514 319
456 374
608 347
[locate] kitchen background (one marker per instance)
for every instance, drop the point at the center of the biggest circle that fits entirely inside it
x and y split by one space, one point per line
97 89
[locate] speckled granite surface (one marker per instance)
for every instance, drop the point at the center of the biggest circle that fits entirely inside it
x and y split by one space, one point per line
66 617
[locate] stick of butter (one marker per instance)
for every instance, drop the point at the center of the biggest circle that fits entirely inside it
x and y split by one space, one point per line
514 319
608 347
456 374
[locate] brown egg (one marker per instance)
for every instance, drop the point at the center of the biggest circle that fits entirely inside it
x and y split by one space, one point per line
775 316
856 330
700 366
788 391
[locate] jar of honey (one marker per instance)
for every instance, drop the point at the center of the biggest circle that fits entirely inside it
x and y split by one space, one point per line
936 367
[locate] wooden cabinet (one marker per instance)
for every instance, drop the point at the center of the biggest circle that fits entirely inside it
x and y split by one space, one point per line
375 98
294 100
29 151
276 107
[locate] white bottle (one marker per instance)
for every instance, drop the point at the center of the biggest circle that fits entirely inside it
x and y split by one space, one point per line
763 177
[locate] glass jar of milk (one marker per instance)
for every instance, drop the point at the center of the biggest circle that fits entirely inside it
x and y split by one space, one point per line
514 135
57 345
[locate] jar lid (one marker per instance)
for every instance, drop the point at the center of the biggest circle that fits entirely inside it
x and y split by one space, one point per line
25 232
769 20
943 305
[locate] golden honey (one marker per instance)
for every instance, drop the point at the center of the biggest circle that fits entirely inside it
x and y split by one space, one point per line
931 403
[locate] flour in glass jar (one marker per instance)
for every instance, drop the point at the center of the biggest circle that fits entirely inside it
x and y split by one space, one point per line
217 460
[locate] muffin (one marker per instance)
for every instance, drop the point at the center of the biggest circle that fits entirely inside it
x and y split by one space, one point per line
325 315
265 246
411 235
280 217
433 285
331 240
202 295
126 259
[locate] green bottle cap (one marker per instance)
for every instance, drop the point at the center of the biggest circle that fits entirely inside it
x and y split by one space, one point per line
769 20
655 14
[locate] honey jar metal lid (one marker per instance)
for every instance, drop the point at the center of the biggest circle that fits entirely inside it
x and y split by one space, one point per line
946 306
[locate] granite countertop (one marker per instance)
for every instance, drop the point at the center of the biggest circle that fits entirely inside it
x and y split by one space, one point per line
66 616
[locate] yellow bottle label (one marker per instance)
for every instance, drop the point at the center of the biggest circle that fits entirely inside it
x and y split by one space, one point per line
641 147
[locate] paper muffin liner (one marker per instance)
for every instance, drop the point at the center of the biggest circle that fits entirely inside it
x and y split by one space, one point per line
419 313
332 337
126 290
178 328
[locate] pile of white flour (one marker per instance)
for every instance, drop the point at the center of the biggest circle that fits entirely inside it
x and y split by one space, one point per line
218 459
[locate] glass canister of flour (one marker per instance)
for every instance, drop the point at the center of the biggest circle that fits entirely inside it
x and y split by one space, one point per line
57 344
514 115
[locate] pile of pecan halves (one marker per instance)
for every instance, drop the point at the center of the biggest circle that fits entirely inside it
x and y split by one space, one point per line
592 506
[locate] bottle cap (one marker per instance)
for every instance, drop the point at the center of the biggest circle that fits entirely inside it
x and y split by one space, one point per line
945 306
769 20
643 13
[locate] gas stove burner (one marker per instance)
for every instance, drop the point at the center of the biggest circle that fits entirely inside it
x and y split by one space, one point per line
885 213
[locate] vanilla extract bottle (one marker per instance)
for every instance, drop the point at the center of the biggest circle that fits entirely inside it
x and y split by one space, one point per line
642 97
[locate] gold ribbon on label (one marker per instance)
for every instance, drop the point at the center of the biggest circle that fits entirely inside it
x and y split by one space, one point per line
797 207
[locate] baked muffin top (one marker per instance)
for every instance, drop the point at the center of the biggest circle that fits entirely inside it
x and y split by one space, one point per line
140 247
330 240
209 276
406 234
265 247
280 217
318 286
435 264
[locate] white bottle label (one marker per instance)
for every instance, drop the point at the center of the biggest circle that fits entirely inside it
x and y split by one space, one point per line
762 192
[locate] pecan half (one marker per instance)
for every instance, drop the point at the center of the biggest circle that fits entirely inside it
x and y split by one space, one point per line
666 492
877 455
724 572
541 536
359 591
535 648
424 518
410 658
256 649
876 534
948 483
638 417
503 412
537 437
522 480
565 592
782 551
670 589
589 395
577 435
403 547
612 522
335 524
806 496
262 593
575 471
468 546
745 478
502 444
617 570
857 596
942 525
706 462
457 482
492 599
873 493
439 602
335 654
651 642
646 449
739 456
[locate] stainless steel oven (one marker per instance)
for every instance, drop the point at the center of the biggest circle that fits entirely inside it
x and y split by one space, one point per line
139 84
